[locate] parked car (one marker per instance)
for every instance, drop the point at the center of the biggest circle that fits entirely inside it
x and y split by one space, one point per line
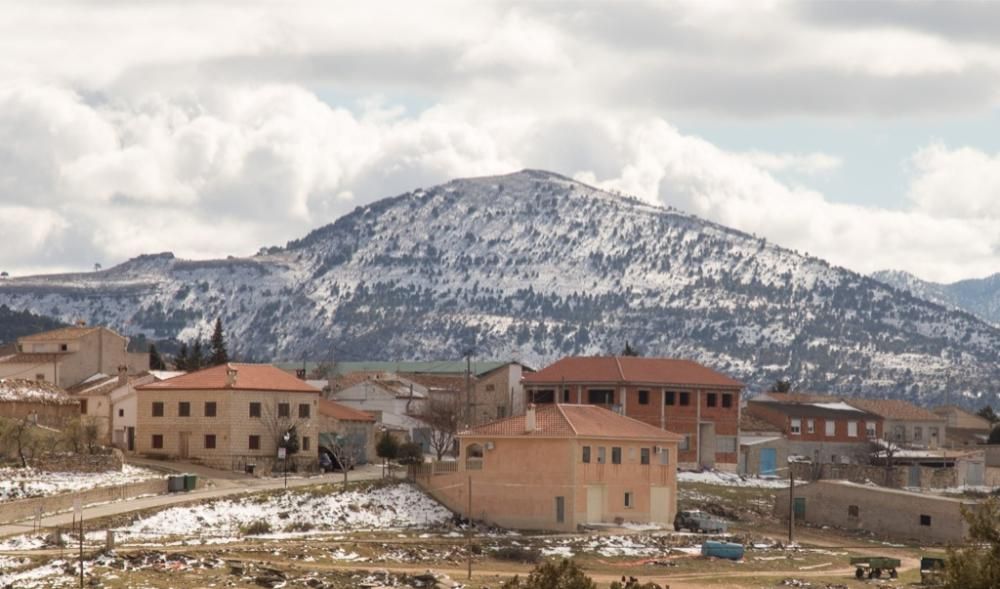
699 521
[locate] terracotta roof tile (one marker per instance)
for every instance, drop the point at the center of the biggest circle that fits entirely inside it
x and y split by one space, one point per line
343 412
249 377
615 369
895 409
567 421
30 391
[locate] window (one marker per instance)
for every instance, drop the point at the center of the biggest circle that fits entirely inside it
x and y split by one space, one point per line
490 388
796 426
616 455
811 426
600 397
254 442
121 413
899 433
602 455
725 444
685 398
628 500
157 441
305 442
644 397
834 458
711 400
209 441
184 409
40 377
685 443
210 409
158 409
852 429
853 511
586 454
543 396
870 430
501 412
831 428
925 520
664 456
727 400
83 406
254 409
63 348
668 397
918 433
284 410
932 433
303 410
560 510
644 456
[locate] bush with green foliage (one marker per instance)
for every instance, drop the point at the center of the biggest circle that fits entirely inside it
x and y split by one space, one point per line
977 566
410 453
256 528
562 575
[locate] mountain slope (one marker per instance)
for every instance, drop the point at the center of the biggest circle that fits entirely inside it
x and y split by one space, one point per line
979 296
535 265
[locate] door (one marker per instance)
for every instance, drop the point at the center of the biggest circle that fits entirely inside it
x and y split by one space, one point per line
185 438
768 461
560 510
661 506
914 476
800 508
706 445
974 474
595 504
130 435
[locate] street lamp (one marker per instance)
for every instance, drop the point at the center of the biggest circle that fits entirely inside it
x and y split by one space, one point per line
284 455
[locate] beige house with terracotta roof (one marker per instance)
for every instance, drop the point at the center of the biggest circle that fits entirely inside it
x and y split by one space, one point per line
356 429
559 466
229 416
905 423
70 355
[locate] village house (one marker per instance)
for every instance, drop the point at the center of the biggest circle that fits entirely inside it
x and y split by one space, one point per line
395 403
822 432
762 447
696 402
904 423
560 466
340 424
41 403
231 416
964 427
69 355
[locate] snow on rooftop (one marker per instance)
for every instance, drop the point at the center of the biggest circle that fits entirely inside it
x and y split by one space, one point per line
838 406
13 390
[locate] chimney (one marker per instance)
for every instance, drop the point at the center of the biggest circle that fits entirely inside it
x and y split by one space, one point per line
230 376
81 323
529 419
122 375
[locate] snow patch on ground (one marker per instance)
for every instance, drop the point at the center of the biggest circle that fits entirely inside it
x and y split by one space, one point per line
729 479
23 483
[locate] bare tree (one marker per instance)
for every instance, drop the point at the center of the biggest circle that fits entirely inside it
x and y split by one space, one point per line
345 452
19 436
279 425
443 418
881 452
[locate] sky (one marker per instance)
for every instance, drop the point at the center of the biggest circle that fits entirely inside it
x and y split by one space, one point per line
866 133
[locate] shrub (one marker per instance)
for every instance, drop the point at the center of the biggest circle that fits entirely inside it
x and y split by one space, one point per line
256 528
517 554
562 575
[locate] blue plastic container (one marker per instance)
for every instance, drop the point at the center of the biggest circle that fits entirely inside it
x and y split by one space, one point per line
726 550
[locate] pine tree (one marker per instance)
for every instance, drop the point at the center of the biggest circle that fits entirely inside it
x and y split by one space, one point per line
155 361
629 350
197 358
219 355
181 361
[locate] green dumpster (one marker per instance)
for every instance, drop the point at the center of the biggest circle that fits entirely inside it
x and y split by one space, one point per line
175 483
190 482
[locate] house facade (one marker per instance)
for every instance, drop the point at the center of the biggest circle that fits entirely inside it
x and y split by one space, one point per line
350 427
231 416
905 424
68 356
822 431
684 397
560 466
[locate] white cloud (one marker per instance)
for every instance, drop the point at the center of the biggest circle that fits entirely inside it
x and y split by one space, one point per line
961 183
806 163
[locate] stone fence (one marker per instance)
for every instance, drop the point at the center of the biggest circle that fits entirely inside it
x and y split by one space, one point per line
67 462
895 477
23 509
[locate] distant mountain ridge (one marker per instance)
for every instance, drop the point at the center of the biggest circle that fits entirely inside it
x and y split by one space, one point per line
979 296
534 266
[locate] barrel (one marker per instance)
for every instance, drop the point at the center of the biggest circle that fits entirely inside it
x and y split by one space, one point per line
728 550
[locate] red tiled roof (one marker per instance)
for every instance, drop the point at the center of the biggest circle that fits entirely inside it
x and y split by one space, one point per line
249 377
616 369
568 421
63 333
343 412
895 409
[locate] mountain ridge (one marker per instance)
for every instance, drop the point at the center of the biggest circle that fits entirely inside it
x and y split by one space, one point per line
979 296
533 265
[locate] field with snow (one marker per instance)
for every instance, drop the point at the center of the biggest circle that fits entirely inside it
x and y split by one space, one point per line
24 483
729 479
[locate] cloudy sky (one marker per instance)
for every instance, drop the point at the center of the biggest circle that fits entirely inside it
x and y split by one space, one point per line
866 133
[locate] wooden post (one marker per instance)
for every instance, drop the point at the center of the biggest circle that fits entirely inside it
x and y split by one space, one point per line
468 537
791 505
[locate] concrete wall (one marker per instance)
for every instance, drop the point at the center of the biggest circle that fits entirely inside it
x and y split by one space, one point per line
896 477
516 484
858 452
361 432
14 511
887 512
46 371
750 457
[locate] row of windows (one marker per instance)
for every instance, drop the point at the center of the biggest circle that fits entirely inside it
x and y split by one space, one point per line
830 428
253 443
184 409
607 397
616 455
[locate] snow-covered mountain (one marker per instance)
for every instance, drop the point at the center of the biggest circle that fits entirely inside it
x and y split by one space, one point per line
534 265
979 296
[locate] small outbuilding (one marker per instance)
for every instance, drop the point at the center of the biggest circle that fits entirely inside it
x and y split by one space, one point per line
42 402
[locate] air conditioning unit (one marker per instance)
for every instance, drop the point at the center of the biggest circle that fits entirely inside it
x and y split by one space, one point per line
488 445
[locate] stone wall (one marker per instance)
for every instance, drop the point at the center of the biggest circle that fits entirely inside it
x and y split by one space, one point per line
68 462
14 511
42 413
896 477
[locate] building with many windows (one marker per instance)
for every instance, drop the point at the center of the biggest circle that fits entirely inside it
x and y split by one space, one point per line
560 466
684 397
229 416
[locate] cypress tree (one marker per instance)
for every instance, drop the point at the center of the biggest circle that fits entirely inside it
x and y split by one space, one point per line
181 359
219 355
197 358
155 361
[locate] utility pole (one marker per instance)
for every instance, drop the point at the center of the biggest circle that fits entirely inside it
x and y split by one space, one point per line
468 389
791 505
468 537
